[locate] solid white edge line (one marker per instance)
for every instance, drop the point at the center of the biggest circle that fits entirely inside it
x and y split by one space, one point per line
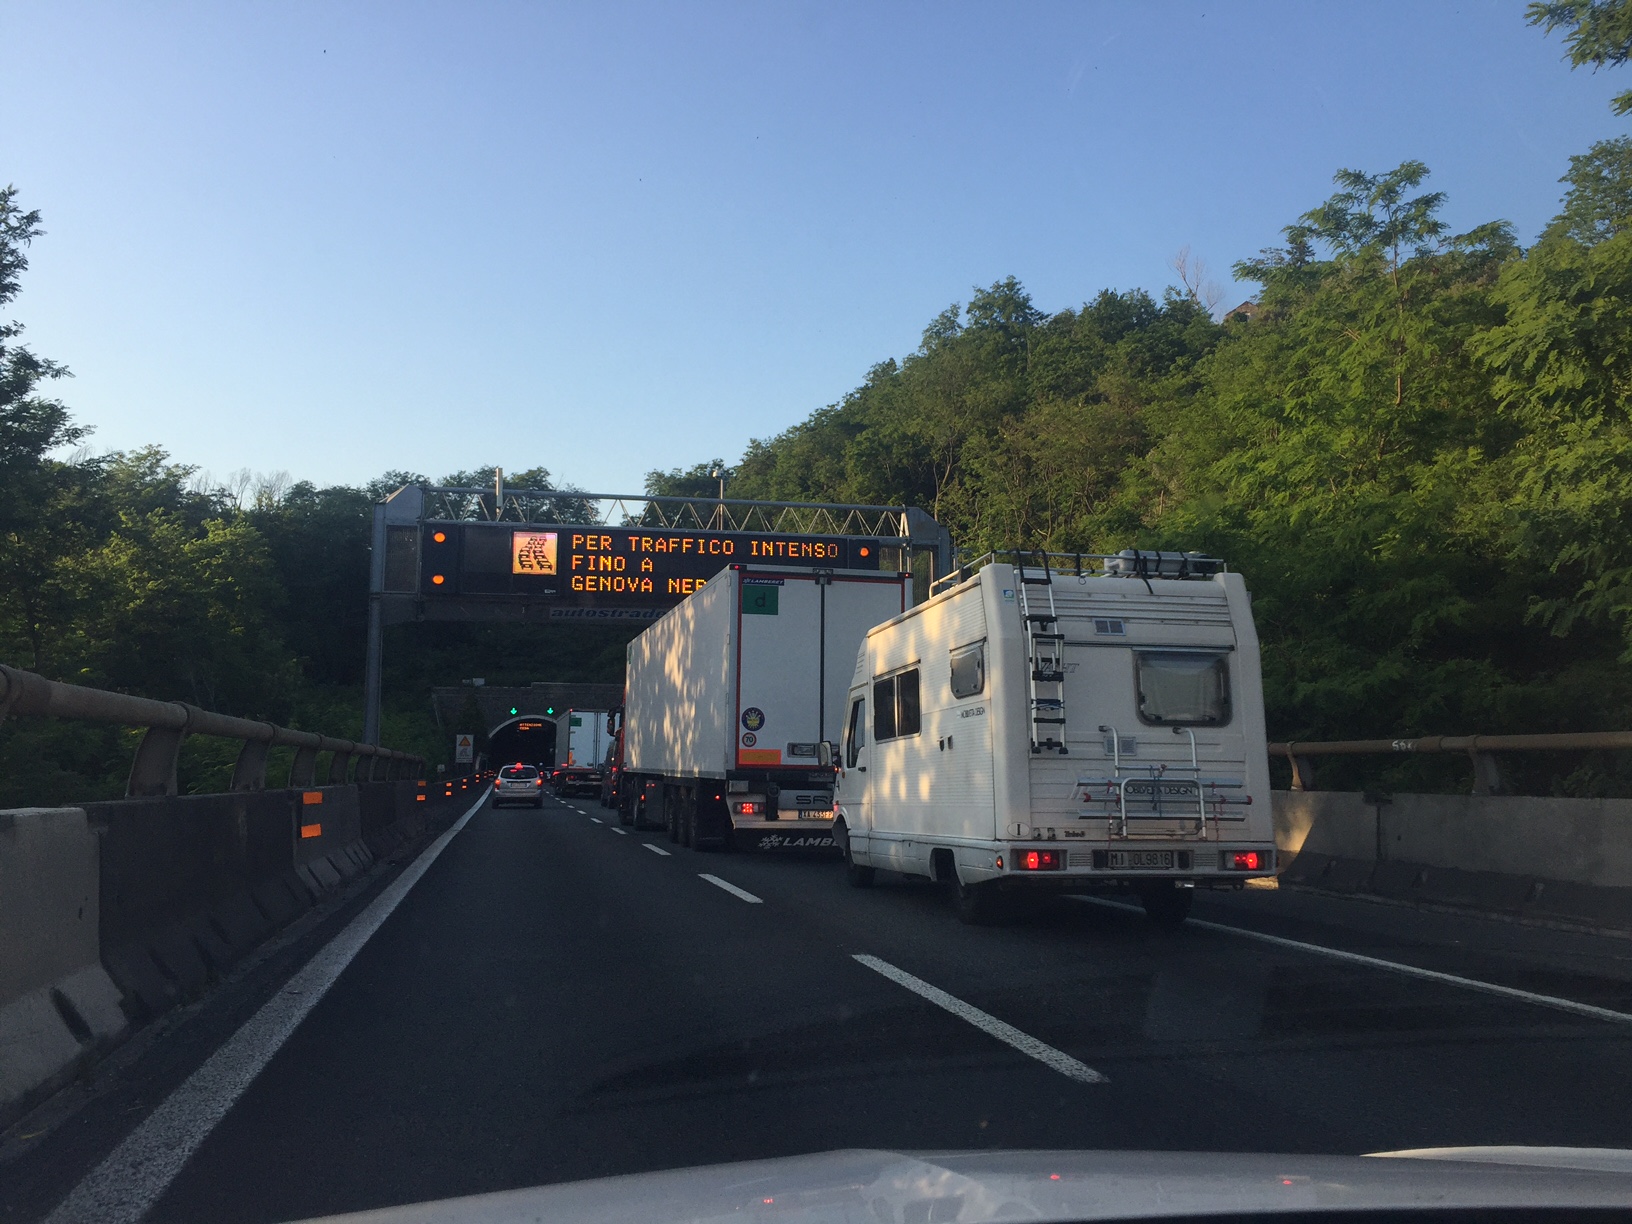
1373 962
1028 1045
133 1177
656 849
729 887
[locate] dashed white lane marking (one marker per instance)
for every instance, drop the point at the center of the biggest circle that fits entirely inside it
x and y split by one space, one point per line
656 849
988 1023
595 820
618 831
730 888
1373 962
135 1174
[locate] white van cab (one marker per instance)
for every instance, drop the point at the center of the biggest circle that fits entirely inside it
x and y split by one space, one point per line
1062 723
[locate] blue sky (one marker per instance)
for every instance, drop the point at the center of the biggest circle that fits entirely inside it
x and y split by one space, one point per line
335 238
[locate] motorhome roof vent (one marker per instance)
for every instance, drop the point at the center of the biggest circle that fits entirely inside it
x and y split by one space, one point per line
1138 563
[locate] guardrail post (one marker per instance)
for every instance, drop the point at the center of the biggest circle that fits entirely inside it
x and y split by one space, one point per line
1303 772
303 769
1487 774
339 763
249 773
153 772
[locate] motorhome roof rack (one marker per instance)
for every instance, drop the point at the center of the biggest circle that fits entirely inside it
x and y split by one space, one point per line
1037 566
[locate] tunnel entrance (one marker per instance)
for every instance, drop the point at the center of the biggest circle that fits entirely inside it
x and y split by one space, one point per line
529 739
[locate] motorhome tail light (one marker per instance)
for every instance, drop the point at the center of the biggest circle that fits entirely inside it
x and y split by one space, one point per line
1038 860
1243 860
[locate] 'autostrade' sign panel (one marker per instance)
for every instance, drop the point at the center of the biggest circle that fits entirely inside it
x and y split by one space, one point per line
612 566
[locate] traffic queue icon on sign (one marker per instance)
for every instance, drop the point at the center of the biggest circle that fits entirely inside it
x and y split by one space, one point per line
532 552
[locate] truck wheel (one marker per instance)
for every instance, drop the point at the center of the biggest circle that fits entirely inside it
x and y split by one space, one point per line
688 827
626 815
671 819
1166 906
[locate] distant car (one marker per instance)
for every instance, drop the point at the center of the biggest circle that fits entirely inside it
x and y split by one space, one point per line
518 784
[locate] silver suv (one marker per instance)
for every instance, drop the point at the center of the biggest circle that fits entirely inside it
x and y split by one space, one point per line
518 784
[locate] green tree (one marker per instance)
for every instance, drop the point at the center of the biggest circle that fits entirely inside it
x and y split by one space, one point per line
1563 364
1597 33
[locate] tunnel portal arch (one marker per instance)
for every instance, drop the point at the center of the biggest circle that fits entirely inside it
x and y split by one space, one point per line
527 738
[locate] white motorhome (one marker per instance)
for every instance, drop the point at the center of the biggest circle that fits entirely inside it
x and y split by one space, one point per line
1062 723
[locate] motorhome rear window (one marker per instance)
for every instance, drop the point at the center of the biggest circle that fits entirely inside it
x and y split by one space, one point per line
1177 688
895 706
969 670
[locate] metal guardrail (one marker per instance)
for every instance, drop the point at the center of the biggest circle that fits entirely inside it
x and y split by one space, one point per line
1486 774
153 772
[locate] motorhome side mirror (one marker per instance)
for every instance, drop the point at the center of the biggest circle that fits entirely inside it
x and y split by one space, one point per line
824 753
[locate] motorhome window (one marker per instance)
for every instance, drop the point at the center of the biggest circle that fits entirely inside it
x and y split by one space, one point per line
856 736
1178 688
906 703
969 670
895 706
884 709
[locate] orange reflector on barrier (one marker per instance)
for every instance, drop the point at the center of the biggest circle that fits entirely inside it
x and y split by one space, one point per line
311 797
311 830
419 798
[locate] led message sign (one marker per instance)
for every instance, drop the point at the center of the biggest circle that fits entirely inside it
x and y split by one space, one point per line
612 566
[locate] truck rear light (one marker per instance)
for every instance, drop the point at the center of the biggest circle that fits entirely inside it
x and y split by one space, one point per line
1038 860
748 809
1243 860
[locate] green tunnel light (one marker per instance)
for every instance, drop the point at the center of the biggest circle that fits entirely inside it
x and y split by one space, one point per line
547 710
513 710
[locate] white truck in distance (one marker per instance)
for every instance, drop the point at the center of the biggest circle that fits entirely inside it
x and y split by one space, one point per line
1036 728
581 738
732 697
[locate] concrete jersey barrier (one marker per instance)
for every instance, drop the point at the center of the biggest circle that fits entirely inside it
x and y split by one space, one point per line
57 1004
1548 858
112 913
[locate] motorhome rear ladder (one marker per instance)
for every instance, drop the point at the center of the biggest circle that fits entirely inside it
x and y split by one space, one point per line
1045 655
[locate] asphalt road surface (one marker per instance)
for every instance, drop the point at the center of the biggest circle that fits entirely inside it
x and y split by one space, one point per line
554 999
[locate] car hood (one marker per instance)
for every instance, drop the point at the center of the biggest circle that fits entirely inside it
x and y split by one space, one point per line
882 1187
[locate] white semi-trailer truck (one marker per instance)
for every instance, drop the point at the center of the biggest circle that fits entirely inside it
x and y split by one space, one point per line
1062 723
733 699
581 738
